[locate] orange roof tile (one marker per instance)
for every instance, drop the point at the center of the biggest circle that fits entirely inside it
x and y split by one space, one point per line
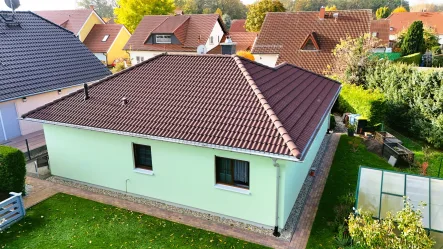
94 40
403 20
243 40
238 25
72 20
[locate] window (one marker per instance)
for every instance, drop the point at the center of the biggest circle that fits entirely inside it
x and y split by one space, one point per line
105 38
163 39
309 46
232 172
139 59
142 157
211 40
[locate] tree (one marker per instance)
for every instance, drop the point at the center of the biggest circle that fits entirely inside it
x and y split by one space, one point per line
257 13
131 12
400 231
219 12
353 57
331 8
102 7
246 54
413 40
227 20
234 8
399 9
382 12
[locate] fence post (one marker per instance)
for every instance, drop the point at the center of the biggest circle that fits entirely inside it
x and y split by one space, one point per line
20 201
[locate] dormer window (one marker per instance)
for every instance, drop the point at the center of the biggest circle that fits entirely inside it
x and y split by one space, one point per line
105 38
310 43
163 39
374 34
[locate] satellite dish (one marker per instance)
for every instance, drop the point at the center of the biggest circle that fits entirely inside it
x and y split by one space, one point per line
13 4
201 49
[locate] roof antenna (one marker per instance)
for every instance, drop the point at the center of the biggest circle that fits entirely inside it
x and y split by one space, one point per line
13 4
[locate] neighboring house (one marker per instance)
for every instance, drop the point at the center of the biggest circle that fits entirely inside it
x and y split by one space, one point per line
240 41
79 21
238 25
380 29
307 38
179 34
403 20
214 133
106 41
39 62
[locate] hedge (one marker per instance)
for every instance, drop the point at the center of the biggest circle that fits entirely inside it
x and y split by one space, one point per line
12 170
437 61
412 59
371 104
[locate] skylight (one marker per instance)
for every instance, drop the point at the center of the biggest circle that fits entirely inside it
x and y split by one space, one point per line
105 38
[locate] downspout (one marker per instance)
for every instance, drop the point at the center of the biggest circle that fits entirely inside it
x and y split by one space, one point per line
277 180
106 56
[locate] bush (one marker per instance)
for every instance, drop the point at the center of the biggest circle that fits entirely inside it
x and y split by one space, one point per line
12 170
246 54
437 61
436 50
118 67
413 41
332 122
412 59
368 103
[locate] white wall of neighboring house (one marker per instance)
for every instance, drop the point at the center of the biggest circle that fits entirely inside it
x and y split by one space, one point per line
149 54
217 34
440 39
23 106
266 59
100 56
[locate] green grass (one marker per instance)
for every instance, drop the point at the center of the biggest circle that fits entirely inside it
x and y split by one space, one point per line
342 180
416 147
65 221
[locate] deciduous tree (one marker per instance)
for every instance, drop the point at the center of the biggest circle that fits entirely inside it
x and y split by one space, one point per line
103 8
227 20
382 12
246 55
257 13
399 9
331 8
131 12
219 12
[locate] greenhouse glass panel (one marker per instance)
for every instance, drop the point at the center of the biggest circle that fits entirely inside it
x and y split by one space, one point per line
437 205
369 190
390 203
394 183
417 190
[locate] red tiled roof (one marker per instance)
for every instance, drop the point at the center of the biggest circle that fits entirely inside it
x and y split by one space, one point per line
381 27
72 20
212 99
243 40
94 39
403 20
283 33
191 30
238 25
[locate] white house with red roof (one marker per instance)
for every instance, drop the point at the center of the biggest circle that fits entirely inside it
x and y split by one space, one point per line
181 34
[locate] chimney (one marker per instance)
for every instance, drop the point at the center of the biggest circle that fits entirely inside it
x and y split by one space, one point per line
321 13
228 47
85 86
124 101
91 7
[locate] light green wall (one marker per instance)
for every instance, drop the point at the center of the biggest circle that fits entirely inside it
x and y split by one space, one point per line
293 175
183 174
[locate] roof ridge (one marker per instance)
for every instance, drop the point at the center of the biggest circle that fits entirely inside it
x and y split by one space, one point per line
150 33
304 69
181 24
91 85
35 14
272 115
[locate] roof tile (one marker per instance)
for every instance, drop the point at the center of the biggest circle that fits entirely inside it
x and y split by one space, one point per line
94 39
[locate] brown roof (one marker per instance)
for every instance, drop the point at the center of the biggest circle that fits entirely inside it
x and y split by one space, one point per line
403 20
286 40
238 25
381 27
94 39
243 40
191 30
72 20
211 99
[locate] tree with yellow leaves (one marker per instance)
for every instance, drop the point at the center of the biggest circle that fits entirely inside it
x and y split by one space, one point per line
331 8
246 54
399 9
219 12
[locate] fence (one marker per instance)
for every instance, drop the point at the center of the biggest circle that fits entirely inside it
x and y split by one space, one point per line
11 210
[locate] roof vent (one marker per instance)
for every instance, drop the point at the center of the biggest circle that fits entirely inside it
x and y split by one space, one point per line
124 101
86 88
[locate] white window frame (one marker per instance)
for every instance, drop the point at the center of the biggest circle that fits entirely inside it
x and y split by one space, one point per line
105 38
211 40
164 37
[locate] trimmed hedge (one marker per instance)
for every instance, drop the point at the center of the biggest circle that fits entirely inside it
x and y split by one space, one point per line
437 61
12 170
371 104
412 59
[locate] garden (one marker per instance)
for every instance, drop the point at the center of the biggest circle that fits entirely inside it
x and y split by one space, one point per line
65 221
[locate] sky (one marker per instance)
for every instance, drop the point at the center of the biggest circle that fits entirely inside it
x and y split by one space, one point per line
71 4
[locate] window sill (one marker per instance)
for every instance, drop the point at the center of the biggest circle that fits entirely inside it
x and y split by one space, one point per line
233 189
144 171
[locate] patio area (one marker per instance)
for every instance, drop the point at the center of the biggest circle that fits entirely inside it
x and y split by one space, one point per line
36 144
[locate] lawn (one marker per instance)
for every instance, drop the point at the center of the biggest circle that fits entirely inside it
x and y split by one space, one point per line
65 221
342 181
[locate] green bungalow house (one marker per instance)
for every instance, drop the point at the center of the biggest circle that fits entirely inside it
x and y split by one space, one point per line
215 133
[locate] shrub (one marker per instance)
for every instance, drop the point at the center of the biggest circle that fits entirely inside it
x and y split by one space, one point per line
437 61
332 122
12 170
246 54
368 103
412 59
118 67
436 50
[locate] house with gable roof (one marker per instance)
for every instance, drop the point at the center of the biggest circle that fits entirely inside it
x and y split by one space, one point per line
219 134
307 38
181 34
39 62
